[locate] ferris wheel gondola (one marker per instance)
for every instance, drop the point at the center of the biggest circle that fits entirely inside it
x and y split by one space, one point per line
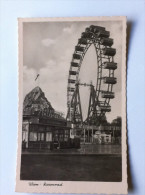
100 38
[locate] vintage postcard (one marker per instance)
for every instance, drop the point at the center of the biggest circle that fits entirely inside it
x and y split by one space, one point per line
72 105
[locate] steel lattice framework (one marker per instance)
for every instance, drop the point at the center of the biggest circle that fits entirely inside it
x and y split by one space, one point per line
99 98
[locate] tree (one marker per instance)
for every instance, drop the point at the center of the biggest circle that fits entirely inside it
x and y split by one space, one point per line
117 121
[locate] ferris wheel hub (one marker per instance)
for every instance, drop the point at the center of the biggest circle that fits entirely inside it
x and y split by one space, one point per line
99 97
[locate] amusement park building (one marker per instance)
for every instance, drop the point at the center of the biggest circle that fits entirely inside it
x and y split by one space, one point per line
40 132
43 127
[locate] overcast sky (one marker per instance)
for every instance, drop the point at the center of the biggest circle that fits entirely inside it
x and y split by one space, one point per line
48 49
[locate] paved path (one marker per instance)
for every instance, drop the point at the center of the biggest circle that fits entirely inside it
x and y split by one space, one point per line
85 149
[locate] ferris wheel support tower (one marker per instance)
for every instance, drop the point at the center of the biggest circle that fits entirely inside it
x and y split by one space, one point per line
100 96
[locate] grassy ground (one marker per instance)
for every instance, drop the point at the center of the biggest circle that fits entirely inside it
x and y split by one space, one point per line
71 167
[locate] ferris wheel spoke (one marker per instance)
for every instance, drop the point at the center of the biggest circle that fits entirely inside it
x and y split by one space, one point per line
101 96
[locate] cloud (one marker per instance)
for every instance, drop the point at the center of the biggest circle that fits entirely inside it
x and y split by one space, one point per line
51 63
48 42
48 50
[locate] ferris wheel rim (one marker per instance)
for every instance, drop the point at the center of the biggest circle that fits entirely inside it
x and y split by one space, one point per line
79 54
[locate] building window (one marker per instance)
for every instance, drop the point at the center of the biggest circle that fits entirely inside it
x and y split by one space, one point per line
48 136
66 137
24 136
61 137
39 134
66 132
25 127
56 137
42 136
33 136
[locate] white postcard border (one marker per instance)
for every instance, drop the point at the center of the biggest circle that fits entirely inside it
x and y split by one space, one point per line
73 186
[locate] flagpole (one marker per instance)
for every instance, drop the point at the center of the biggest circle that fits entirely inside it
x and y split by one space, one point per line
37 79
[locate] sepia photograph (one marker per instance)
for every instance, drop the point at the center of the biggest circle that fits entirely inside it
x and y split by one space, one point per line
72 105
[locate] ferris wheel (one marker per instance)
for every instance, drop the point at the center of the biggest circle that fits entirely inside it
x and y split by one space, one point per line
100 94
